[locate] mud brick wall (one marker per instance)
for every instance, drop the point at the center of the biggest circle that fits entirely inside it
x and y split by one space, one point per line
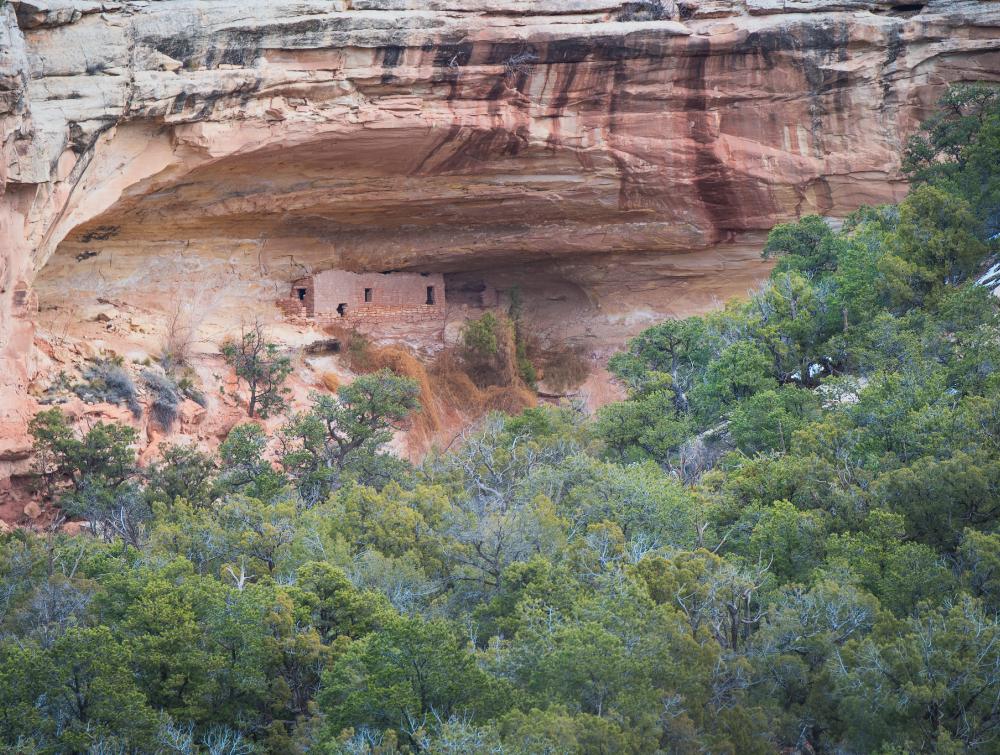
401 291
293 307
380 315
308 303
397 308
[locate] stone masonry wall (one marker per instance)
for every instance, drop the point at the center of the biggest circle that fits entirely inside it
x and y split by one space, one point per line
398 308
392 294
375 316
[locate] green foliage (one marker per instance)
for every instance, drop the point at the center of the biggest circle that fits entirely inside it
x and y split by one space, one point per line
100 463
480 338
935 243
808 246
677 348
495 349
947 135
920 682
741 370
396 678
525 368
939 498
958 149
792 539
900 573
74 694
647 426
181 472
244 465
259 363
346 433
767 420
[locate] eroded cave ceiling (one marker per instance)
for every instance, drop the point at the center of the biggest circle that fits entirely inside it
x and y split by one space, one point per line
630 155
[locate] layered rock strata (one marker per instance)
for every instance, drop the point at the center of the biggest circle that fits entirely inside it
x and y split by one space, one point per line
618 161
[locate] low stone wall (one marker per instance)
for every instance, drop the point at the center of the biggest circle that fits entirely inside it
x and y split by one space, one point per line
400 291
292 308
420 324
373 314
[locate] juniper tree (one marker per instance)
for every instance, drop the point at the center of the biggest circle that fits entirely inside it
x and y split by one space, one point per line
259 363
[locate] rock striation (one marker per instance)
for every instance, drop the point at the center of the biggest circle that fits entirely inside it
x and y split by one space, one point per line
620 160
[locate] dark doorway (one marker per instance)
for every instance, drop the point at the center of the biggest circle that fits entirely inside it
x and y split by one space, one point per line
342 309
430 294
368 295
301 293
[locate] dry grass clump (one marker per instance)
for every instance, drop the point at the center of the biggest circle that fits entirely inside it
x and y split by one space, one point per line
330 381
355 347
507 370
449 395
456 389
362 356
453 385
106 380
510 399
165 397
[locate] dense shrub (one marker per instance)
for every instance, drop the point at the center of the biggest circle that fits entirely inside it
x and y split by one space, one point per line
481 337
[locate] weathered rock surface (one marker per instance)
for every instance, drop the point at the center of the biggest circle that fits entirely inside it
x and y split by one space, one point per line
619 161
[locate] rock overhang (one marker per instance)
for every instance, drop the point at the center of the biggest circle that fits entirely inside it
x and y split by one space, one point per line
626 163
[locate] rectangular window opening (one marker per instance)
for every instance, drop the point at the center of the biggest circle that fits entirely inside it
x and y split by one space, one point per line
302 293
368 295
430 294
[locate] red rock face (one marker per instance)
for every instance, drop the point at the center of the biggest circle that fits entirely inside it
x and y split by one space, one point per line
619 162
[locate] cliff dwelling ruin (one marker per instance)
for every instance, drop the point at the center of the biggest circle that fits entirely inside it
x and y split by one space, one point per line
367 301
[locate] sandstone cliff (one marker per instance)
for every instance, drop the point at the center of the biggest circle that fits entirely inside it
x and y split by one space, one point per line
619 161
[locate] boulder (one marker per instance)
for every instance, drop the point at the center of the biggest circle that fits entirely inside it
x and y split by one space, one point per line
191 414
